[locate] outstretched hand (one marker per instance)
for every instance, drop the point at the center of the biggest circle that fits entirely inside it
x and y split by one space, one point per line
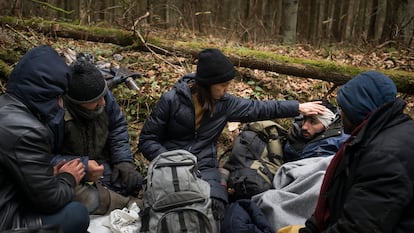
312 108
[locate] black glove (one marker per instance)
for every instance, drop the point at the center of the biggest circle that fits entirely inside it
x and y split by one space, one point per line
131 179
218 206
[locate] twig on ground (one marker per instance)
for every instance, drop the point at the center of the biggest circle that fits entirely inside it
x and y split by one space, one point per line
150 46
20 34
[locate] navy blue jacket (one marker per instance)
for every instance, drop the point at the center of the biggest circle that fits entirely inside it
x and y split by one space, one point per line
244 216
324 144
171 126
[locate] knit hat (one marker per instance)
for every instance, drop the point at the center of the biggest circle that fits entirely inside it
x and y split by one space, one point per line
213 67
87 84
365 93
327 118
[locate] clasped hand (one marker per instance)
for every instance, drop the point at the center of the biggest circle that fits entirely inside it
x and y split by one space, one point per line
75 167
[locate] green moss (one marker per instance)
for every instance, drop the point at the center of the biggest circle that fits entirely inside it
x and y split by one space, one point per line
4 74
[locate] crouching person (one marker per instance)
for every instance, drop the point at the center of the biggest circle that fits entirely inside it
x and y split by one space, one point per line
192 115
33 193
96 132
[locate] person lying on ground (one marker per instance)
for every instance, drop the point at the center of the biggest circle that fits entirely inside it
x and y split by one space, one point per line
315 135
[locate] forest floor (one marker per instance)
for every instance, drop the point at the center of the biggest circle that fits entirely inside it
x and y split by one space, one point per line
159 72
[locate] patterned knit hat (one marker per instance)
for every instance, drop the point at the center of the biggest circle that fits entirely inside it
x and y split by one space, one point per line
87 84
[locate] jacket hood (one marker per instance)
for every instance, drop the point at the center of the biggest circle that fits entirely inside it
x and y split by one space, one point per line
182 88
181 85
365 93
38 79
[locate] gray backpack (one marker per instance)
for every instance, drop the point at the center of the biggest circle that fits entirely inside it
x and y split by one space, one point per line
176 199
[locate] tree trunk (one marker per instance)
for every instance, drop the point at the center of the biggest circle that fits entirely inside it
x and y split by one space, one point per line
380 15
290 16
406 20
350 18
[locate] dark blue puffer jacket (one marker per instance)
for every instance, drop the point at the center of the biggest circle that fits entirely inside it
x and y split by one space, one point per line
244 216
171 126
324 144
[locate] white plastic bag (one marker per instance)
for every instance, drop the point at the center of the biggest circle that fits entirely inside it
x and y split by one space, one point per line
126 220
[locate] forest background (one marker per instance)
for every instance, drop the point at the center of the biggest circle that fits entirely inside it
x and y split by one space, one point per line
283 49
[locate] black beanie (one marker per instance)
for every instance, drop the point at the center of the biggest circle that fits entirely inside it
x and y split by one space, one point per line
213 67
87 83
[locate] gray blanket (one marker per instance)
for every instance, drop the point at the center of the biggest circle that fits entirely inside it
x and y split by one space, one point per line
296 189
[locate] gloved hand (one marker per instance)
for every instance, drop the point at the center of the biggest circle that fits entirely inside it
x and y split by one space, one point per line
218 206
131 179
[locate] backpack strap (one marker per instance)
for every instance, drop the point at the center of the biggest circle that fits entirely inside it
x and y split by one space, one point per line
145 216
264 169
175 180
176 184
269 133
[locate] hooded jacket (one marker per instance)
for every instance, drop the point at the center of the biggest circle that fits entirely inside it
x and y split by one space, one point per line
29 114
171 126
372 189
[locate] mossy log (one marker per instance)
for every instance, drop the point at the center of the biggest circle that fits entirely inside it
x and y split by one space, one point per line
242 57
327 71
69 30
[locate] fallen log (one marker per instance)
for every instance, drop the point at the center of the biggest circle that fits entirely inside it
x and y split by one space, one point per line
327 71
248 58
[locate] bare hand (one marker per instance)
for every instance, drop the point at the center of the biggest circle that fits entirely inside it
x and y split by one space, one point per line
95 171
74 167
57 167
311 108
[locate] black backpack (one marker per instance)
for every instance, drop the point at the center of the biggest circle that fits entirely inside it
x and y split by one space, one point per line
256 155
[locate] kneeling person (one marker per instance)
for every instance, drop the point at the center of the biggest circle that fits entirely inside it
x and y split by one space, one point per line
96 131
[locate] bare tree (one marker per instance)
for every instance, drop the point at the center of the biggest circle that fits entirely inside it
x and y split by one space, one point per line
290 16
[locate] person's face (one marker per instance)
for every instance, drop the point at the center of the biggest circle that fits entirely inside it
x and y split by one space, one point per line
94 105
311 126
348 125
219 90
